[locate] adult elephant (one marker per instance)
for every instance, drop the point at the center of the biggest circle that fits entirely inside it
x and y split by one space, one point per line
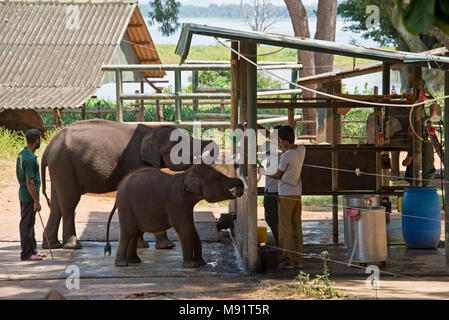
93 156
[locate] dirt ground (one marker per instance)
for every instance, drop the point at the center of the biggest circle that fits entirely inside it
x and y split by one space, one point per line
244 287
241 288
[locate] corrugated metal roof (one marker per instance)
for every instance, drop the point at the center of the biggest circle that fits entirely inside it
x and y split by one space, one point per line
48 60
423 59
144 47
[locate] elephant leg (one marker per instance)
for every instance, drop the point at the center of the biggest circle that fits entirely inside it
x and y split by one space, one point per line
126 234
141 243
68 205
162 241
198 250
52 227
186 235
131 254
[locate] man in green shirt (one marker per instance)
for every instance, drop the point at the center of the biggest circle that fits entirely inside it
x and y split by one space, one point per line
27 171
428 166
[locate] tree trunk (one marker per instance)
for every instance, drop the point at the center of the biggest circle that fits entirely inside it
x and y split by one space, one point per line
439 35
325 30
300 24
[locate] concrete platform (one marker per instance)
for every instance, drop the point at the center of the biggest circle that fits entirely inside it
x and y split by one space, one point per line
92 227
401 261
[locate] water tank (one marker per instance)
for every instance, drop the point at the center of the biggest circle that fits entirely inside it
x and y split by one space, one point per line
421 218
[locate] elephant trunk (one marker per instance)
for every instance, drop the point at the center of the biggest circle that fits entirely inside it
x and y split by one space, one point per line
236 187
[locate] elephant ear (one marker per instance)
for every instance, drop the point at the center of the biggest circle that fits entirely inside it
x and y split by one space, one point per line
149 152
192 184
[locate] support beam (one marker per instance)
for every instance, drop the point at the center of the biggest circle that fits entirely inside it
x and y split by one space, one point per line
446 165
252 167
291 111
194 90
386 124
386 91
118 94
234 86
142 102
178 88
417 118
335 120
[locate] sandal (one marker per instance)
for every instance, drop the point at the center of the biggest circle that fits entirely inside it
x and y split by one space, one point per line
41 254
33 258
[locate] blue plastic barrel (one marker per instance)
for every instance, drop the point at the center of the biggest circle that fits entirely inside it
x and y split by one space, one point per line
421 218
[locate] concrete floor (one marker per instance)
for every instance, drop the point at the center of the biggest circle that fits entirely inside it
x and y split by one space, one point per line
409 274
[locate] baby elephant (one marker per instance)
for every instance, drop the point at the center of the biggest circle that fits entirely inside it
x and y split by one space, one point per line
149 200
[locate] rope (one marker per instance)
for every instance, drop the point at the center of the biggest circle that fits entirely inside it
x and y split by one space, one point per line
342 207
331 95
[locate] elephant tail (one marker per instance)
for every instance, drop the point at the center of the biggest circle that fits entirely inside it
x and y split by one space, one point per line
43 171
107 248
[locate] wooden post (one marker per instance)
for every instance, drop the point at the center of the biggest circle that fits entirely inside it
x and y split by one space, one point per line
386 125
386 91
291 111
417 124
178 90
234 87
99 109
118 93
378 124
159 113
136 103
83 111
142 102
252 166
335 139
243 96
57 117
446 165
194 89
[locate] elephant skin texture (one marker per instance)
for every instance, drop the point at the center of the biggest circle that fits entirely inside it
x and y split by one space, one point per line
93 156
150 200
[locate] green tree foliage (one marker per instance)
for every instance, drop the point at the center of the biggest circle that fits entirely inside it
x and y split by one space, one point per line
419 15
355 11
166 13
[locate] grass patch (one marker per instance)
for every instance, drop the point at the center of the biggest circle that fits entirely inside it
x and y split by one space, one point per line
220 53
319 288
11 143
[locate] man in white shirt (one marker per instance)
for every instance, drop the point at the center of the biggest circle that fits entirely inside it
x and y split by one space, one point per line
270 199
289 203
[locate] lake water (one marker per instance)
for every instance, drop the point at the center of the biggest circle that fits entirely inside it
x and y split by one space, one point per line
283 26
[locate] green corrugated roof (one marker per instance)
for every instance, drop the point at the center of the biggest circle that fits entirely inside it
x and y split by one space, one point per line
423 59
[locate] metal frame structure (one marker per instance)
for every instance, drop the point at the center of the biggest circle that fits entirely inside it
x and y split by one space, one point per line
245 92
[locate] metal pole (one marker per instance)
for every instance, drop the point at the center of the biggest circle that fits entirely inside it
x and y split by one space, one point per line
252 167
118 93
177 91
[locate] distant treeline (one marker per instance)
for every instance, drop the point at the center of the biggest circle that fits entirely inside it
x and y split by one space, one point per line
223 11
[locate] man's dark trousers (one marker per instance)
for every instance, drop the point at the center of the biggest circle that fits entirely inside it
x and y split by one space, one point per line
27 238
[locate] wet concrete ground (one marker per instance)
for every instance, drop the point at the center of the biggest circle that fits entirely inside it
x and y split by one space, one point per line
161 275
